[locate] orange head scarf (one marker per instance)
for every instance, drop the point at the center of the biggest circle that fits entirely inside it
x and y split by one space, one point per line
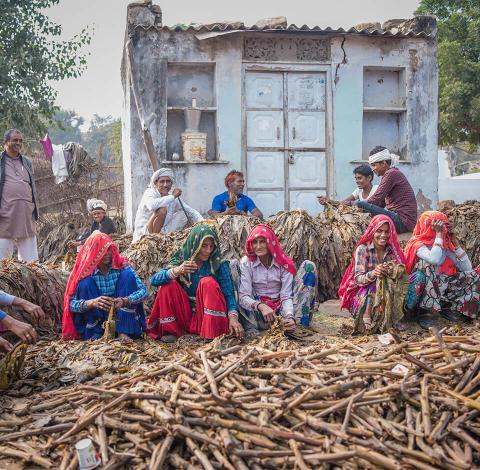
93 250
423 234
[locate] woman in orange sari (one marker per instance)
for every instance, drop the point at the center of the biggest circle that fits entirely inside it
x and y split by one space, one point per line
442 279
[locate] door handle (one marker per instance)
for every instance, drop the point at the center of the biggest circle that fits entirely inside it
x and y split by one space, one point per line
278 133
294 133
291 158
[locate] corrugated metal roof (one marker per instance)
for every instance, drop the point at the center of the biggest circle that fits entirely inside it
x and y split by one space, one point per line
240 27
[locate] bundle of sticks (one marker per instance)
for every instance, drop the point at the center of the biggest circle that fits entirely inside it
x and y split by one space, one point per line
411 405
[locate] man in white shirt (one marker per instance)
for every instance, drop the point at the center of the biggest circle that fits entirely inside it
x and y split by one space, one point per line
162 212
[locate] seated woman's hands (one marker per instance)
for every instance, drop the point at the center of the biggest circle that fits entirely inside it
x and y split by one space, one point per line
382 270
288 324
73 244
323 200
187 267
35 311
235 326
24 331
267 312
5 345
103 302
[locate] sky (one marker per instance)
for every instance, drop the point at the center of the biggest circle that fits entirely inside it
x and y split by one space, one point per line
99 91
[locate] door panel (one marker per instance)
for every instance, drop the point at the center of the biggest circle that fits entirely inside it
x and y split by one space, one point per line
264 90
306 91
265 170
307 170
306 200
269 202
265 129
306 129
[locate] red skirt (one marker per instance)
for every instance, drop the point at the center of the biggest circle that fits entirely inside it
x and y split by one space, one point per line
173 315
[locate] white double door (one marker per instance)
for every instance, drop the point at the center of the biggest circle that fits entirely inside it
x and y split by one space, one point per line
286 140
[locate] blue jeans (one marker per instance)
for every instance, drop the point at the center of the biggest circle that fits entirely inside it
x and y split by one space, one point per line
376 210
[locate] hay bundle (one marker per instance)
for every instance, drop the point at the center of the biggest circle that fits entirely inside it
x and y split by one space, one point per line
38 284
466 220
339 230
55 230
298 235
233 231
152 252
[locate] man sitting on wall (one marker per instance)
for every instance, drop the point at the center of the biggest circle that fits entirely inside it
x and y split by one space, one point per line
162 212
394 196
233 201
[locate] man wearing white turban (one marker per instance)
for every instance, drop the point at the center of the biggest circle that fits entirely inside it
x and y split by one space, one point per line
98 210
162 212
394 196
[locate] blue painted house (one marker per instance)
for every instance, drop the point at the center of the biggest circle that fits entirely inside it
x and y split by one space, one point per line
295 108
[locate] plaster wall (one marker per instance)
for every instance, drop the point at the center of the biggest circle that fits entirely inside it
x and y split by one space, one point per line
418 58
154 49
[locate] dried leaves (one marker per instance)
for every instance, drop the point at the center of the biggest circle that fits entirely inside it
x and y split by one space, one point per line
39 284
466 220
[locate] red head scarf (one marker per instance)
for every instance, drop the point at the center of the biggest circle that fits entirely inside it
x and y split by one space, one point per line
273 246
95 247
348 287
423 234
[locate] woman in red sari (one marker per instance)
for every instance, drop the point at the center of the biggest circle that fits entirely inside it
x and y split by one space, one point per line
196 292
102 278
378 245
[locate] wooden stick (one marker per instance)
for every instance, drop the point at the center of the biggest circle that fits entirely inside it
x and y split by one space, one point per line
298 455
103 439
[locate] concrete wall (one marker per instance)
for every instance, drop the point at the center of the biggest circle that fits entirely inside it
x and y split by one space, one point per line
418 57
200 182
458 188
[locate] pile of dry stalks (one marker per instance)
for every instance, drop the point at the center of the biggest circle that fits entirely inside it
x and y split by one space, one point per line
40 285
334 403
466 220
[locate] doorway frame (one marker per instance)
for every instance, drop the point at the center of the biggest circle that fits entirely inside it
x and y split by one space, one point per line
282 67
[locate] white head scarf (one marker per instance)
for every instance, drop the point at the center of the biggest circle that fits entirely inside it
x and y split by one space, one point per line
384 155
158 174
96 204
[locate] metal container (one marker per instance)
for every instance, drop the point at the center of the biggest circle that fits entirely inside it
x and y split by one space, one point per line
194 146
192 119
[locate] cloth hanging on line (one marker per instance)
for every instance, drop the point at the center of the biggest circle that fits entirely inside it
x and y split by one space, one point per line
59 166
46 143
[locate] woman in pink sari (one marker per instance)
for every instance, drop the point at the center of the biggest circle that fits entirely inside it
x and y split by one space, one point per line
378 245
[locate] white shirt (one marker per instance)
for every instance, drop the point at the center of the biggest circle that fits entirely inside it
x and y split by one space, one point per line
436 255
151 201
357 194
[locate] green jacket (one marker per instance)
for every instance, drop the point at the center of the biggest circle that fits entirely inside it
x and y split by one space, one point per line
27 163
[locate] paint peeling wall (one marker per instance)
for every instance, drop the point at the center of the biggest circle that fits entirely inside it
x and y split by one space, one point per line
418 58
153 49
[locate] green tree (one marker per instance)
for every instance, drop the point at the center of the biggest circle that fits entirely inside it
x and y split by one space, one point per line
66 127
31 55
459 68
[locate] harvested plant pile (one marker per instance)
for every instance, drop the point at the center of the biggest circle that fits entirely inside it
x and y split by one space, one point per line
232 232
39 284
466 220
153 252
339 228
244 407
54 230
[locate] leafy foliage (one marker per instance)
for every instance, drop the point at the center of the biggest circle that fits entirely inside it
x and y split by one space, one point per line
459 68
31 55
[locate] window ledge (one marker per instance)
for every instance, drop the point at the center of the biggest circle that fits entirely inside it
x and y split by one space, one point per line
195 162
406 162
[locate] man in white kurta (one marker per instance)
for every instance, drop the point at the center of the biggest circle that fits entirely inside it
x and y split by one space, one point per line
162 212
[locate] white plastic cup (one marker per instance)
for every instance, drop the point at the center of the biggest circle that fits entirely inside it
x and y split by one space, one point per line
87 455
